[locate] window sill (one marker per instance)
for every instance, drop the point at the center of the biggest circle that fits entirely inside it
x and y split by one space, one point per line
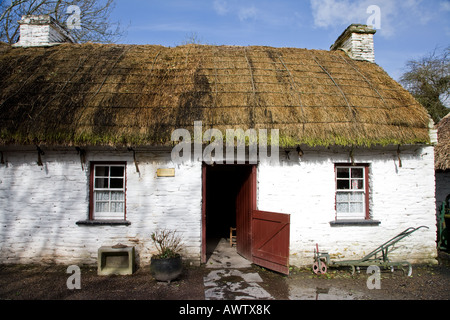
103 223
345 223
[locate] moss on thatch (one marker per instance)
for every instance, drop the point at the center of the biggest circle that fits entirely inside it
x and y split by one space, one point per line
102 94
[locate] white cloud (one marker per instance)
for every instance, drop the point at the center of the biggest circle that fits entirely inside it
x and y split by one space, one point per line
394 13
224 7
220 7
445 5
329 12
247 13
267 12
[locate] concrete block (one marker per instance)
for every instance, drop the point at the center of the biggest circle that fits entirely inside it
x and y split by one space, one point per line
116 260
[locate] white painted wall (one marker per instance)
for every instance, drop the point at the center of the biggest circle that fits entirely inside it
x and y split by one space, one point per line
360 46
400 197
39 206
357 41
41 30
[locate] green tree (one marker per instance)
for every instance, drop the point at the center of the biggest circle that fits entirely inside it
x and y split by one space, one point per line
428 80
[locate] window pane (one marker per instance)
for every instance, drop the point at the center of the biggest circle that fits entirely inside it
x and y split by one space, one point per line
116 183
342 172
357 184
116 206
342 207
102 207
342 197
356 207
357 172
102 195
101 183
356 196
101 171
117 171
117 196
343 184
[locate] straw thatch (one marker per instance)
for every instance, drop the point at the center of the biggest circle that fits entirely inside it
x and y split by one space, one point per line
442 149
101 94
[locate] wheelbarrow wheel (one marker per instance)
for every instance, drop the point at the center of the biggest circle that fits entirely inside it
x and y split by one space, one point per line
323 268
319 267
407 266
353 269
316 267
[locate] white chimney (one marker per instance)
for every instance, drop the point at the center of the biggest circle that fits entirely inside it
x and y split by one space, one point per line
41 30
357 42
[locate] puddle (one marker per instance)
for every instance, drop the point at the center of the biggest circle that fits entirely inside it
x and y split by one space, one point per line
226 282
234 285
304 293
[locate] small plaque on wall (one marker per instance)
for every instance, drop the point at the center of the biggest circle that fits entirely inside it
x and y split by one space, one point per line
165 172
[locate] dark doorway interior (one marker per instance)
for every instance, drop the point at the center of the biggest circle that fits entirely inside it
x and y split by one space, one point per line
223 183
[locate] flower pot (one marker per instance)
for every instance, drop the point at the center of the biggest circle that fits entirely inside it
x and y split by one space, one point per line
166 269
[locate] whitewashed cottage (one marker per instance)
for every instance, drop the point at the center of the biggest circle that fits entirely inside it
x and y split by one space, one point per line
87 151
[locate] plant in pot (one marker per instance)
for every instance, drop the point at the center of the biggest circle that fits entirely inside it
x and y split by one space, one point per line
167 264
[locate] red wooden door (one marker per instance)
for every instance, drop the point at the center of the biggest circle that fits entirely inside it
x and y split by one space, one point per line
270 240
203 257
245 203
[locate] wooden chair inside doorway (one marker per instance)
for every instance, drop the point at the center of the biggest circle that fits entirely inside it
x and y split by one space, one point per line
232 236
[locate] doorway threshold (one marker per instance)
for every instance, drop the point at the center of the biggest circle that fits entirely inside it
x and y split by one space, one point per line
225 256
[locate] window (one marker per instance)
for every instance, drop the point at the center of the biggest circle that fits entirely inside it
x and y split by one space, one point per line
107 191
352 192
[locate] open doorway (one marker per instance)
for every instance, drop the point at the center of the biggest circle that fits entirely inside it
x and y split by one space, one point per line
223 185
229 200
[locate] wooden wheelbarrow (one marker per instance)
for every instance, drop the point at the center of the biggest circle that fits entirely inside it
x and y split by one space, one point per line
378 257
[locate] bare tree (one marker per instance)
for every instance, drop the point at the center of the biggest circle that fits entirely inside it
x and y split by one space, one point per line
192 38
428 80
92 22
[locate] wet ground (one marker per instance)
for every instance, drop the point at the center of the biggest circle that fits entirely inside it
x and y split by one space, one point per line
226 277
234 278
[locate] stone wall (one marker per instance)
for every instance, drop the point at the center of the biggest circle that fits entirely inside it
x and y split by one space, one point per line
400 197
360 47
41 205
41 30
357 42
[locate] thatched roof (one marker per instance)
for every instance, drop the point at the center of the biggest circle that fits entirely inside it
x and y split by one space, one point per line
102 94
442 149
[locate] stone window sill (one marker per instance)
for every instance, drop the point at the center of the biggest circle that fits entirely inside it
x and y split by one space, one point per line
346 223
103 223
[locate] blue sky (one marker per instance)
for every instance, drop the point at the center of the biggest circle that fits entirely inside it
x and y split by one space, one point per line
408 29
